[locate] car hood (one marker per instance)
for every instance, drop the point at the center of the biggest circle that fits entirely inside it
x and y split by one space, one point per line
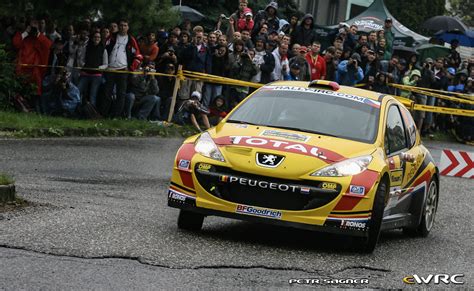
303 152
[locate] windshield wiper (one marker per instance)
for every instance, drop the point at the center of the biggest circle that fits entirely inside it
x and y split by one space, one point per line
240 122
302 129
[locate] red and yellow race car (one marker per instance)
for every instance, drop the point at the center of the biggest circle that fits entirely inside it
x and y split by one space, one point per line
312 155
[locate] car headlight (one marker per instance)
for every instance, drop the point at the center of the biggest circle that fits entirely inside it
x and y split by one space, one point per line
206 147
348 167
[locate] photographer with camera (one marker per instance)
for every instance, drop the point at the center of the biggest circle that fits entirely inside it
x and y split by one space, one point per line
192 109
33 49
142 97
60 97
349 71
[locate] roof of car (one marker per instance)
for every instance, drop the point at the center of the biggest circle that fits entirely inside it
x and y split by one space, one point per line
342 89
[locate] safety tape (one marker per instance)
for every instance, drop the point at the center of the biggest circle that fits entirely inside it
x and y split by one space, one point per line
460 95
427 93
444 110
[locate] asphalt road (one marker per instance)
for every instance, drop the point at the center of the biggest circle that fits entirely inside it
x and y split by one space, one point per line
99 220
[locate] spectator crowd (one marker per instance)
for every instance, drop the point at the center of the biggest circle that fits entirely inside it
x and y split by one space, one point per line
90 65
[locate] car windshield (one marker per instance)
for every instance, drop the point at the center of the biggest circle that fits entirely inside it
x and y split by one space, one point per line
311 110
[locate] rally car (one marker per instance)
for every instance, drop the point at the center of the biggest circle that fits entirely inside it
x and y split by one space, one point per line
312 155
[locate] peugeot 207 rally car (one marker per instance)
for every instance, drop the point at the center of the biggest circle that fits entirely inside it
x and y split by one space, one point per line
310 155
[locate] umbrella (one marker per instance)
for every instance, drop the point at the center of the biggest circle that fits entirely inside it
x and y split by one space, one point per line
433 51
446 23
189 13
404 51
465 38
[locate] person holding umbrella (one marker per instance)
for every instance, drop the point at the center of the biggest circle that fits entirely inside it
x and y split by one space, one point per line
454 58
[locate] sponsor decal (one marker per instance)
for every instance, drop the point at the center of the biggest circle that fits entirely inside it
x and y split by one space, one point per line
357 190
396 177
184 164
175 195
278 144
240 125
435 279
257 211
354 98
305 190
327 185
268 160
259 184
353 224
204 167
285 135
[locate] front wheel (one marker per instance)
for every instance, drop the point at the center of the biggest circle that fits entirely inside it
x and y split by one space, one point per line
369 243
190 220
429 212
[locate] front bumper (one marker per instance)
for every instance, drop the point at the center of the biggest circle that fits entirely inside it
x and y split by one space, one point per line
187 202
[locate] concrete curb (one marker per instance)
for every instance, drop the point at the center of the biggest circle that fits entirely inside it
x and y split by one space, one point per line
7 193
171 131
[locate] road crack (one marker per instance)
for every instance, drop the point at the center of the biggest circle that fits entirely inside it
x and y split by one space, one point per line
145 262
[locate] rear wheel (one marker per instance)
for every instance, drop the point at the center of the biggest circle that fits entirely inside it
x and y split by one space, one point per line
429 212
190 220
370 242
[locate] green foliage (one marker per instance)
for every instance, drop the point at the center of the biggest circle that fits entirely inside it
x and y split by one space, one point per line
143 14
412 14
6 179
35 125
10 83
464 9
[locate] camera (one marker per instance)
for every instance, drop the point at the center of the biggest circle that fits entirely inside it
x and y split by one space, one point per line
34 31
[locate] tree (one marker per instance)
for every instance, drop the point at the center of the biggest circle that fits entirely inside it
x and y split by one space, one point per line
143 14
464 9
412 14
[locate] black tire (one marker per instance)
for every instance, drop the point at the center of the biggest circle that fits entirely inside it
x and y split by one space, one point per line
430 207
190 220
369 243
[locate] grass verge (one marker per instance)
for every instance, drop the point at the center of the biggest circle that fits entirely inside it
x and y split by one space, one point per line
6 179
35 125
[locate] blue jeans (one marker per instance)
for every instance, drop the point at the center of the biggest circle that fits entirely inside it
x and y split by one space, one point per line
210 93
429 115
148 107
90 84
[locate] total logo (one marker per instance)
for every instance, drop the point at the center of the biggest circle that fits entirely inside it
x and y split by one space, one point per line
286 146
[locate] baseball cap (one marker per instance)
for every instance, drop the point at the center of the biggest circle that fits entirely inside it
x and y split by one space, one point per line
356 56
388 19
371 52
428 60
295 66
196 94
303 49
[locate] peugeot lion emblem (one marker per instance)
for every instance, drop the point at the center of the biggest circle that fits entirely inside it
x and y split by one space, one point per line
269 160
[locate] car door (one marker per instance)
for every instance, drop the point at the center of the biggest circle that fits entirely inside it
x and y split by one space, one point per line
396 146
405 157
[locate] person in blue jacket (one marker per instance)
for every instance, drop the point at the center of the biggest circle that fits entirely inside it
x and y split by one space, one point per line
293 74
349 71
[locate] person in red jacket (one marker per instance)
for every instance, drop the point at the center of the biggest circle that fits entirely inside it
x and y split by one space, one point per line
246 22
317 64
33 49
